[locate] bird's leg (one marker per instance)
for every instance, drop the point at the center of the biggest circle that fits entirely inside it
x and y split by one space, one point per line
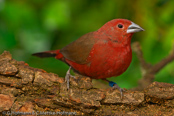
67 77
115 86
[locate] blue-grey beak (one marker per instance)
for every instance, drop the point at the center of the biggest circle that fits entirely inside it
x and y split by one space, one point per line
133 28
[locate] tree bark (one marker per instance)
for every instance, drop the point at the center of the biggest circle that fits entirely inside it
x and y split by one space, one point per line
29 91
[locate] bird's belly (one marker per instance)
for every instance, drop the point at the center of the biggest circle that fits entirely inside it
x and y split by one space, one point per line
110 63
105 63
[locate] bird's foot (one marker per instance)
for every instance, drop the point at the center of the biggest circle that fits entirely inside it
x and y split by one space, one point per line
115 86
67 77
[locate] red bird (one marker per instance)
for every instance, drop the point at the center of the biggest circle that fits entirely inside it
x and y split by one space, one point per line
100 54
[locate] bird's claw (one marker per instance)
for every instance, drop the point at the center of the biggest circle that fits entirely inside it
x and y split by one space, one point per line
67 77
115 86
73 76
120 89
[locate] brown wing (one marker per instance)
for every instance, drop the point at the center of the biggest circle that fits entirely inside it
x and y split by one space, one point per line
78 51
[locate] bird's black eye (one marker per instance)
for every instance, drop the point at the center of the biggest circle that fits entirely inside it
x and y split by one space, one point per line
120 26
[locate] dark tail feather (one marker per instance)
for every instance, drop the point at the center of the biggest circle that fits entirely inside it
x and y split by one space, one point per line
46 54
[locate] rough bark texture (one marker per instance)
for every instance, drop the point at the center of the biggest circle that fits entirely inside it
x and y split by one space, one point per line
27 89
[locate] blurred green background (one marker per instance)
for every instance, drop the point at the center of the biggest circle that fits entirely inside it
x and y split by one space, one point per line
29 26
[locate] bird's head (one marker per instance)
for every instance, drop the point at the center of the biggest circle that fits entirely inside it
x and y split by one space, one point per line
120 29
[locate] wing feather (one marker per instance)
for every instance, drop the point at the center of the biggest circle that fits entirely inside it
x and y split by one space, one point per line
79 50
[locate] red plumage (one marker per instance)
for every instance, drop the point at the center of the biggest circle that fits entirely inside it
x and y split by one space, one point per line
100 54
